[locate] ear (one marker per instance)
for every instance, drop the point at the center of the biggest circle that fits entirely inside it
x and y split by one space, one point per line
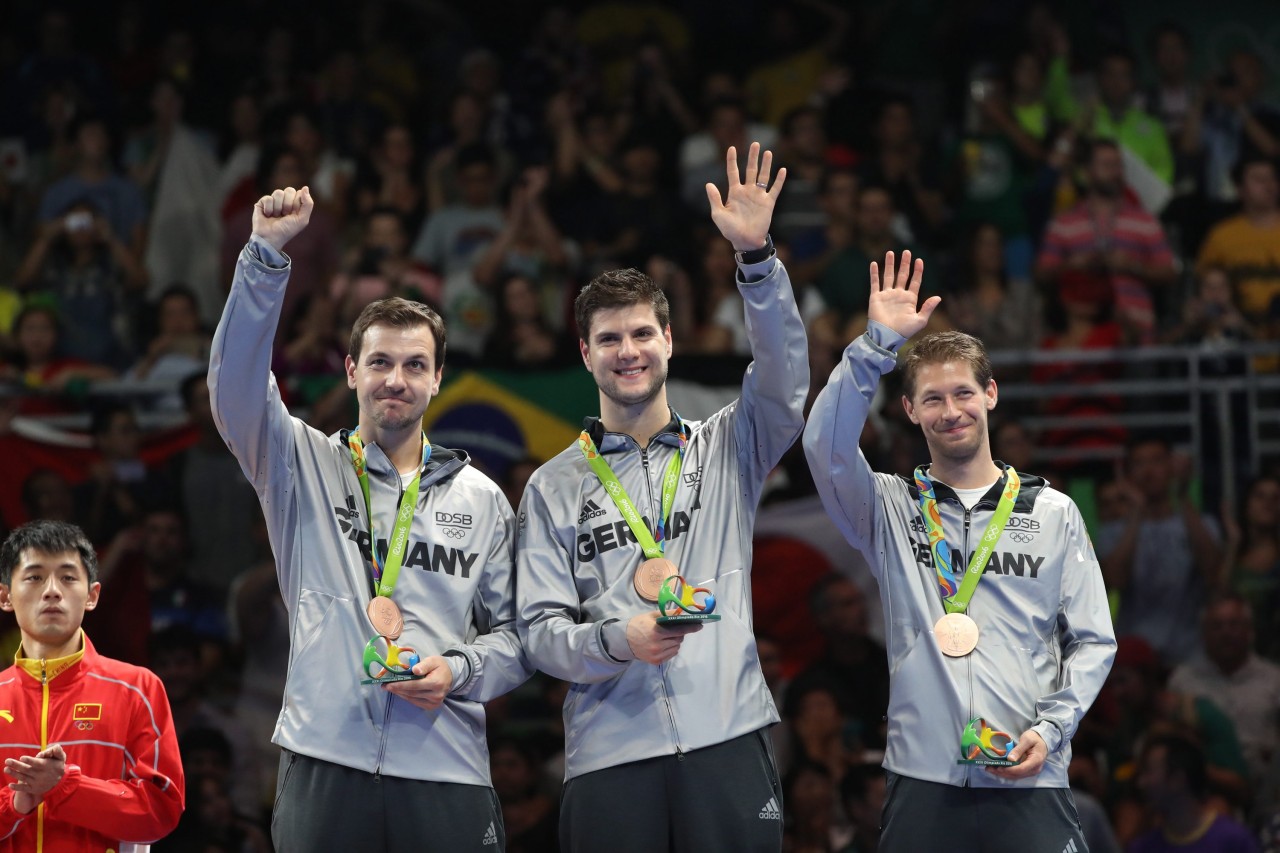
435 383
351 372
585 349
993 394
666 333
6 602
910 410
94 591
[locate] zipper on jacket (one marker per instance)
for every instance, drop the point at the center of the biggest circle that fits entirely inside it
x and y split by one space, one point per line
662 668
968 662
44 742
382 744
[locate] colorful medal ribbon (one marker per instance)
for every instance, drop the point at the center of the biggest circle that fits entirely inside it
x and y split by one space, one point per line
653 544
384 576
956 592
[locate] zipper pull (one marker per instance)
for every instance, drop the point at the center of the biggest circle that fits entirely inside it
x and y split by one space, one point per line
44 674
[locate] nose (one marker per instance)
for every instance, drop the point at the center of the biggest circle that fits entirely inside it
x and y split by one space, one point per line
395 378
52 590
628 348
952 411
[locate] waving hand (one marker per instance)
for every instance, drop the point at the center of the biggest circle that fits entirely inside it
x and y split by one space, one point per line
894 302
744 218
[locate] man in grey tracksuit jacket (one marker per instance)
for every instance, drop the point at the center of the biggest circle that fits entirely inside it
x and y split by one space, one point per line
666 751
363 768
1046 641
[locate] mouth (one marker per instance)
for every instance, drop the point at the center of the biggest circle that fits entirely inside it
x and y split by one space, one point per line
630 372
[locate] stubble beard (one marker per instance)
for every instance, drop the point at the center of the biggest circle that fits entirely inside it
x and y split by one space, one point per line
395 423
610 389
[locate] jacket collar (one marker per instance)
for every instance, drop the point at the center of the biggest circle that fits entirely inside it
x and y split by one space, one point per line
444 462
1027 492
611 442
50 668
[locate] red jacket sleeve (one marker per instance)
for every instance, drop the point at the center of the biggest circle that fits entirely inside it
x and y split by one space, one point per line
146 806
10 819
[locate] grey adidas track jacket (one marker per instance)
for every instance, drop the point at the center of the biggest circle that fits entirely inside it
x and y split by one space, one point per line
455 585
1047 642
576 557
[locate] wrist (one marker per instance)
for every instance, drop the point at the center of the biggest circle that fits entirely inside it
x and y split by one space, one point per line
747 255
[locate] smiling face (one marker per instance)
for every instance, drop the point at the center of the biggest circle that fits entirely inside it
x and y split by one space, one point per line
395 378
951 407
49 594
627 354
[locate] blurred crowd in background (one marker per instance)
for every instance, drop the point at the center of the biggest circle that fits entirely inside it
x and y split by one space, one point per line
1076 177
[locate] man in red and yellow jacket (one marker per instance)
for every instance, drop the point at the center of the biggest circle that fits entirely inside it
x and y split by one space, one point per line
89 750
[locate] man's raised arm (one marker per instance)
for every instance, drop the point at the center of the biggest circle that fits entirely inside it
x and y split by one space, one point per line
242 392
840 471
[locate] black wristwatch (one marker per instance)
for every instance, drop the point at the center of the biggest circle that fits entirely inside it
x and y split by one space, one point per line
755 256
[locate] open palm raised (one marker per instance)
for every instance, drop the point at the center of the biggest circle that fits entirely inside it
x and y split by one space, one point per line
744 218
894 301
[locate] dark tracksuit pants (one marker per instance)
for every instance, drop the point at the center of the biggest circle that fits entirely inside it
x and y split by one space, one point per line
323 807
722 797
921 815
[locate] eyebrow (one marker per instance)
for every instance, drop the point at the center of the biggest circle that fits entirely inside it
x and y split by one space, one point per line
67 564
380 354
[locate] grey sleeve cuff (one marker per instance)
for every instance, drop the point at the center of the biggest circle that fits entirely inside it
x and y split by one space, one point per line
460 667
1052 734
267 255
613 639
884 337
756 273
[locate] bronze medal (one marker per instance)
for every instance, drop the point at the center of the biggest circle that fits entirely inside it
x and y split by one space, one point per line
385 616
957 634
649 577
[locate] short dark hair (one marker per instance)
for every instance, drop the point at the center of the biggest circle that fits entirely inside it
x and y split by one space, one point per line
941 347
1169 28
47 537
1185 756
789 120
1142 439
1114 53
1248 160
473 154
181 291
619 289
102 416
398 313
393 213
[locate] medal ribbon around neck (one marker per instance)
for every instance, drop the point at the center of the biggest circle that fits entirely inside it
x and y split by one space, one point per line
653 544
956 593
385 575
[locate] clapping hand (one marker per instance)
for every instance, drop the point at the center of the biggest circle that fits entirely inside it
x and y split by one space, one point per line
894 302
